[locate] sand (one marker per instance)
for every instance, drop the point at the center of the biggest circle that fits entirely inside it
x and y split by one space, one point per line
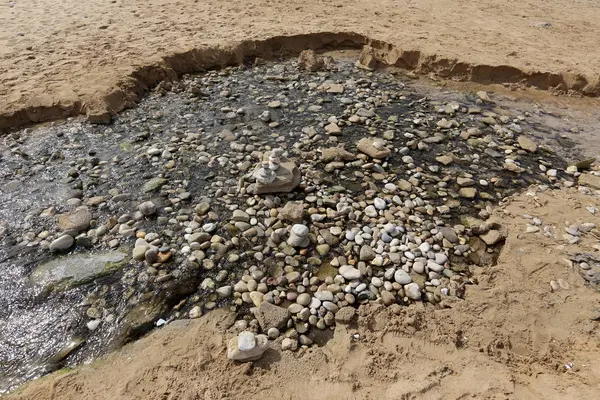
64 57
510 338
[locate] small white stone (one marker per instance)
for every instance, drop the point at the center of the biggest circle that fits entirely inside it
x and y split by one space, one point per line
195 312
93 324
246 341
379 203
412 291
349 272
424 247
370 211
402 277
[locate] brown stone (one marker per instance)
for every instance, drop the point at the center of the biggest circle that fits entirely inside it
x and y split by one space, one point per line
333 88
367 146
163 257
467 192
592 181
446 160
271 316
345 315
527 144
491 237
292 211
288 177
308 60
77 220
333 129
336 154
366 59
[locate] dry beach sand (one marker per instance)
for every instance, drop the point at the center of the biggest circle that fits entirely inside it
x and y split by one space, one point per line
512 337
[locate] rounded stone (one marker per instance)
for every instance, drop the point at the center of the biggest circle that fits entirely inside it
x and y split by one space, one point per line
147 208
329 306
379 203
300 230
349 272
93 324
418 267
195 312
303 299
64 242
273 333
412 291
295 308
402 277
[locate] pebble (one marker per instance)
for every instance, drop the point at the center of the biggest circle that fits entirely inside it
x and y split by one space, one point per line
93 324
62 243
349 272
273 333
402 277
195 312
412 291
147 208
303 299
379 204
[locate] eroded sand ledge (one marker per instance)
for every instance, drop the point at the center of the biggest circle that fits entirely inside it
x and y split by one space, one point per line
104 104
98 58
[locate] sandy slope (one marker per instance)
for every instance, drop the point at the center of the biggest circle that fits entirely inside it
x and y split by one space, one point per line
62 57
509 339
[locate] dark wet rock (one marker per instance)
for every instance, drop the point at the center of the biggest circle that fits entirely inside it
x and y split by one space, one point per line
76 269
143 316
66 350
585 164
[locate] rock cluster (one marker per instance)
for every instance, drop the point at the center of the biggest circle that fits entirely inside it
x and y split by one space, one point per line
278 174
288 196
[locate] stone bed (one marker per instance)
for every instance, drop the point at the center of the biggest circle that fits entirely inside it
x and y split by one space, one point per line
289 191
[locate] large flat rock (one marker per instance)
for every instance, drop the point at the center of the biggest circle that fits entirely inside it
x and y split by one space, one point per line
76 269
589 180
